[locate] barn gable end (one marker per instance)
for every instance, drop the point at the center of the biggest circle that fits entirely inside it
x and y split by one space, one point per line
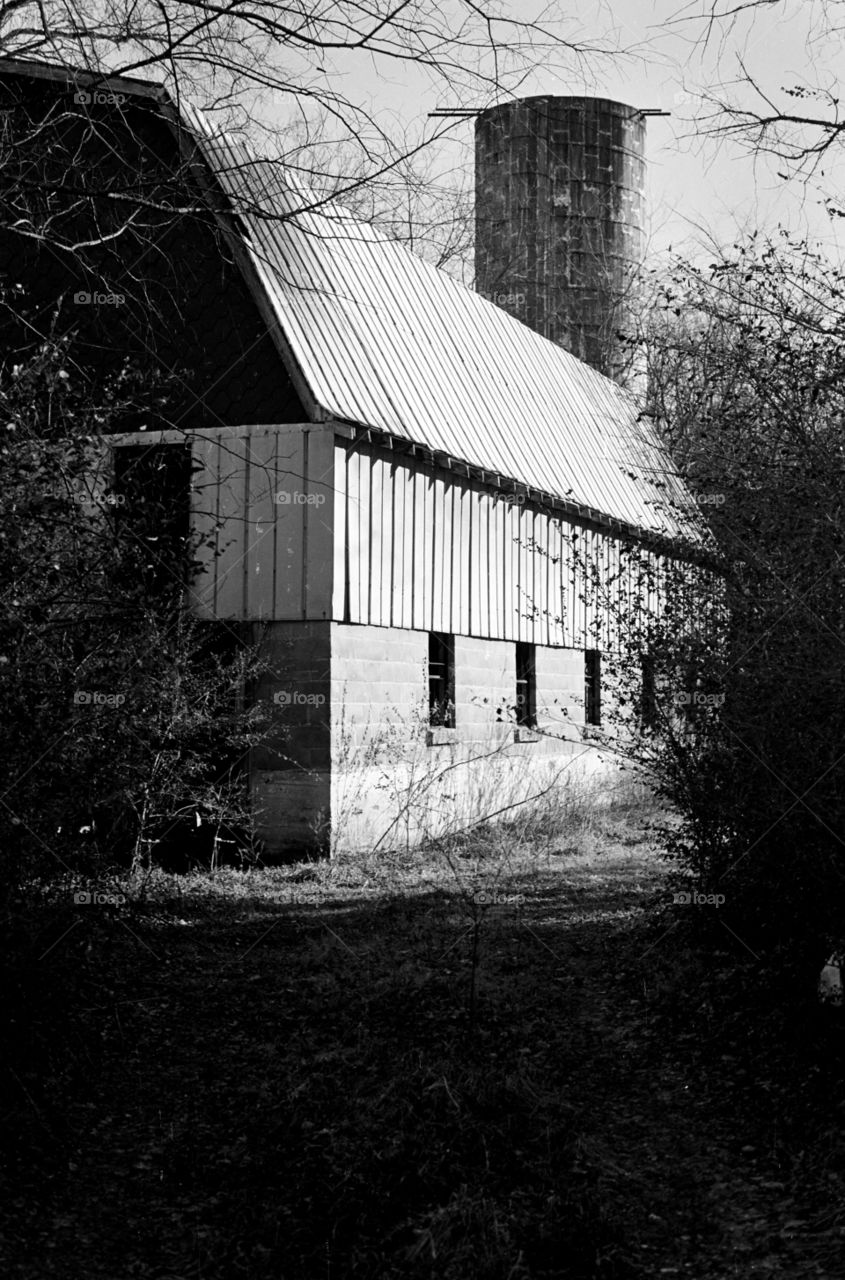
130 262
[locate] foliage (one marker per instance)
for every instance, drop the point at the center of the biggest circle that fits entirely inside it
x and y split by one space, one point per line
745 739
121 716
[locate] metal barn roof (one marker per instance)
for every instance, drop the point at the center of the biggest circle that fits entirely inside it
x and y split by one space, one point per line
387 341
381 339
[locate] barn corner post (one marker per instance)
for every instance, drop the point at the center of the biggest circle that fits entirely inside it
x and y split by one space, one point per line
291 566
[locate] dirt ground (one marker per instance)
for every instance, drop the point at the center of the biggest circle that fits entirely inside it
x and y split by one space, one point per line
464 1065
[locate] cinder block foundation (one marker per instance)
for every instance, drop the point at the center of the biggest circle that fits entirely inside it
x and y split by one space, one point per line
348 763
290 773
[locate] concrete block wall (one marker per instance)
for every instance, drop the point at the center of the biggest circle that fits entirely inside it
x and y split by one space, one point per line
290 773
379 713
560 691
293 809
485 687
378 687
390 786
348 763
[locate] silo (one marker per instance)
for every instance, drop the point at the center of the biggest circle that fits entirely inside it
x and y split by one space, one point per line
559 210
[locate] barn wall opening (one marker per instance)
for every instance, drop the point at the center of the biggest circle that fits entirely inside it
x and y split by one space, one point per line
441 680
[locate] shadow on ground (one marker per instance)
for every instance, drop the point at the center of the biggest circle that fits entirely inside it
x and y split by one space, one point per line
528 1072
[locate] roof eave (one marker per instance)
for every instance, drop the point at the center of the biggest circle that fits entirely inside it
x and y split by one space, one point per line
130 86
674 544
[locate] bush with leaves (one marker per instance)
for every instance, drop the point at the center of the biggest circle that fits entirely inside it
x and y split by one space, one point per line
745 735
121 716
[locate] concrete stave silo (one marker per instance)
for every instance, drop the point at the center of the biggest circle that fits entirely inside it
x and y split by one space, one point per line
560 218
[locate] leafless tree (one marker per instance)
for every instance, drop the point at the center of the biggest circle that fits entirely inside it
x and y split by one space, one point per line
273 76
799 124
261 66
425 201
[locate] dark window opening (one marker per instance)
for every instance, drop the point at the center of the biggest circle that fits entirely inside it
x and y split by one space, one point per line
441 680
592 686
152 489
526 685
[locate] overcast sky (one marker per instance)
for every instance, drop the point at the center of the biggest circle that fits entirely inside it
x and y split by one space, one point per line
696 188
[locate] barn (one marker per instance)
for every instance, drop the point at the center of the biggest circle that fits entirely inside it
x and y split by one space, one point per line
397 481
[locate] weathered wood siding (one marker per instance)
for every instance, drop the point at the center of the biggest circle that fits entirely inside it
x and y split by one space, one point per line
263 504
422 547
299 523
263 507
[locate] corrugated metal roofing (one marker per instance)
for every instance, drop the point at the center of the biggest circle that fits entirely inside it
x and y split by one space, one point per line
387 341
384 340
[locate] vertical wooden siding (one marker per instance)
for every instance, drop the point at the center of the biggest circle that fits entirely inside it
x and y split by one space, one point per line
263 502
375 538
427 549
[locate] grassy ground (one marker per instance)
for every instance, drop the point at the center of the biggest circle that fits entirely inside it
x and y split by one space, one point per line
502 1059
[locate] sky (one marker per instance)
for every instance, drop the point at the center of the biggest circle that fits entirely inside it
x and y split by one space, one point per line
699 190
698 187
